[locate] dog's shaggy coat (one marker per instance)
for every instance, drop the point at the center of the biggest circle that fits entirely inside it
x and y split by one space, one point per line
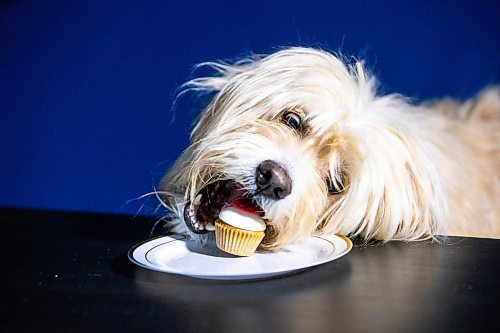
405 171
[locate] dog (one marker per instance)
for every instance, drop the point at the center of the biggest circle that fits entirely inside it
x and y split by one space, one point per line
303 135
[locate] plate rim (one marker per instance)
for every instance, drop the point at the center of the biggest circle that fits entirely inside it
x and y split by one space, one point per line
236 276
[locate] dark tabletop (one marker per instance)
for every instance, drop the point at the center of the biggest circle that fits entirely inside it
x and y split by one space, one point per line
68 272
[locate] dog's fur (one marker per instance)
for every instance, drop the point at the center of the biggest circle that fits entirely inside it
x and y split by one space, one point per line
409 172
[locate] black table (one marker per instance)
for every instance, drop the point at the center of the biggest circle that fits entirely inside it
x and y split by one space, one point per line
69 272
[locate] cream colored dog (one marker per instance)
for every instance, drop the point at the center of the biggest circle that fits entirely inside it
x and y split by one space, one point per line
306 139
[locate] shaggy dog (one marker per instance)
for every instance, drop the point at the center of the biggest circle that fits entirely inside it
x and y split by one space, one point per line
304 137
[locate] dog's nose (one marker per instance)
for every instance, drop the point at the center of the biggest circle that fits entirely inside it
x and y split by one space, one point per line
272 180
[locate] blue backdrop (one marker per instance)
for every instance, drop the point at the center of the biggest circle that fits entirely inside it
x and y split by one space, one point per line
86 87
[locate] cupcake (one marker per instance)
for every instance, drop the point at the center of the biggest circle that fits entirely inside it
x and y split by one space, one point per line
238 232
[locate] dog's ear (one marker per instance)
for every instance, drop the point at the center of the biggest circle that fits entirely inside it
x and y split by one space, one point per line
395 190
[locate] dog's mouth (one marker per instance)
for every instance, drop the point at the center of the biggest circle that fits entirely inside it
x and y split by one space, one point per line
201 214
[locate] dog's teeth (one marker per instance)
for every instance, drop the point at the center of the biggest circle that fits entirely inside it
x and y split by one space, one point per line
197 200
210 227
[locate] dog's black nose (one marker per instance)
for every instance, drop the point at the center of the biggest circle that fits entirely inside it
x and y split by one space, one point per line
272 180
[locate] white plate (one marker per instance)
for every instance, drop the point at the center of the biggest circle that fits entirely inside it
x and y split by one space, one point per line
175 254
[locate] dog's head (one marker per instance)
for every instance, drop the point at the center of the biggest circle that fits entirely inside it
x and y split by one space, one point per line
301 137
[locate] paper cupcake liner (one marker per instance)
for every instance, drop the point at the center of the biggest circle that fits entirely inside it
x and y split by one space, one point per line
236 241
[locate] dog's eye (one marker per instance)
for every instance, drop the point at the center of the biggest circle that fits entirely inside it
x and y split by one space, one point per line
293 120
333 187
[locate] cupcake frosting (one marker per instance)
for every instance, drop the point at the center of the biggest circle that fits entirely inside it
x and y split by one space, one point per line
241 219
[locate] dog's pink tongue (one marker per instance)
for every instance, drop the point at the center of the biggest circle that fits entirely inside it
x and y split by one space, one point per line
246 205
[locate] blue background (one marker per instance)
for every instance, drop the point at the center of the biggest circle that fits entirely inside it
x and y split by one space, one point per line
86 87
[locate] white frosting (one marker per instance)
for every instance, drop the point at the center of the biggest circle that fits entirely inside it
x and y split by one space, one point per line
241 219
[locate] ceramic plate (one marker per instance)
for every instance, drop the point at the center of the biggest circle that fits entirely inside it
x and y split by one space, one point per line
175 254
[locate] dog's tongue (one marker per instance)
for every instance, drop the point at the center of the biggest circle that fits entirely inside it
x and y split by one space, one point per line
246 206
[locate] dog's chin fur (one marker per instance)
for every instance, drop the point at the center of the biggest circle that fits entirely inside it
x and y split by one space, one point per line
409 172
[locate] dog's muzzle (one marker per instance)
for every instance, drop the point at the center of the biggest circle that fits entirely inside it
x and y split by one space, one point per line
201 214
271 179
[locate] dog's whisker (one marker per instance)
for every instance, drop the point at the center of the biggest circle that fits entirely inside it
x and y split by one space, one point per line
155 225
258 192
